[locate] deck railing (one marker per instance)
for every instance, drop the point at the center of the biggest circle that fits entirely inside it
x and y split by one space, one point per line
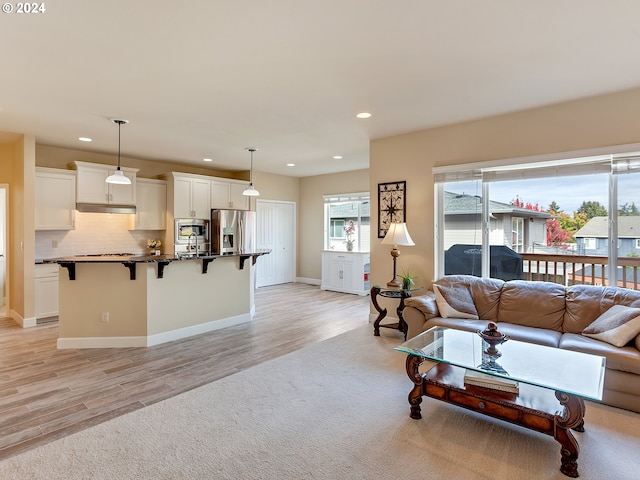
580 270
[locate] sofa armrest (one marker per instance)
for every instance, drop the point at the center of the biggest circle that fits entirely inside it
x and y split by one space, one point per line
417 310
425 303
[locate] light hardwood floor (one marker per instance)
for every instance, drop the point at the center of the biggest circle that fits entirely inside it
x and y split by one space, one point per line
46 394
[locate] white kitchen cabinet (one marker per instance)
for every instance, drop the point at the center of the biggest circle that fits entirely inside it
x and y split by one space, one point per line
151 205
55 199
346 272
228 194
92 188
46 292
191 196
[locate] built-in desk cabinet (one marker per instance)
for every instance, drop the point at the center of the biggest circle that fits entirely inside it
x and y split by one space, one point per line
91 186
346 272
55 199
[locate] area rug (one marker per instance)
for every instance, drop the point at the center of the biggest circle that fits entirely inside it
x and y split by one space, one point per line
335 410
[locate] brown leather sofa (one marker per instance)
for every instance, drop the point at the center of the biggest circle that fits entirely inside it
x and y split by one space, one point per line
547 314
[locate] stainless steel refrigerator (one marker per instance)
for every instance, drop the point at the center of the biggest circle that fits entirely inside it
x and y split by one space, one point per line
232 231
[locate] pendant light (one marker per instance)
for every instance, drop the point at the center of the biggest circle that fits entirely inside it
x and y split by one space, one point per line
118 176
251 191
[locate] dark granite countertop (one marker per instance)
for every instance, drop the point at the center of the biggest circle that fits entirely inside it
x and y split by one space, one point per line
145 258
130 261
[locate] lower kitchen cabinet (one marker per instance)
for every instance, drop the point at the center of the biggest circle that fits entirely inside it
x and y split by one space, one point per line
346 272
47 281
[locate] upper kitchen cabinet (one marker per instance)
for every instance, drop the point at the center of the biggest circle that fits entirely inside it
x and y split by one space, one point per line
191 196
92 187
228 194
55 199
151 205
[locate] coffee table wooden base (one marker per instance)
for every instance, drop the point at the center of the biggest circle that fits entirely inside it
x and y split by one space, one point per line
536 408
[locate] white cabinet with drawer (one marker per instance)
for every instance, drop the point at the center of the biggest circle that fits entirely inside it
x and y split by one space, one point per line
346 272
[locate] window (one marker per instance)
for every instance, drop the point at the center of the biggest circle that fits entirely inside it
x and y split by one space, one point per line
517 234
337 228
590 243
340 211
539 207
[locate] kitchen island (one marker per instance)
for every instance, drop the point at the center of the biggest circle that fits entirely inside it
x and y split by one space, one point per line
140 301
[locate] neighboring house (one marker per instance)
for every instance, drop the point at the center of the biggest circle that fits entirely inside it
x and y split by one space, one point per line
592 239
340 215
515 227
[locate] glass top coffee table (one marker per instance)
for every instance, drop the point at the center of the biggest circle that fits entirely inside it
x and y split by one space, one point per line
550 383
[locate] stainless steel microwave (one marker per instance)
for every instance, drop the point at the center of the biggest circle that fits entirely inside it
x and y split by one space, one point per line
190 230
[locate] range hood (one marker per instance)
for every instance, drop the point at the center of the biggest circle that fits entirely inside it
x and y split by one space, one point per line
100 208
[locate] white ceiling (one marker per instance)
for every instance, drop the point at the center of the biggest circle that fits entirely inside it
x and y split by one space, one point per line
207 78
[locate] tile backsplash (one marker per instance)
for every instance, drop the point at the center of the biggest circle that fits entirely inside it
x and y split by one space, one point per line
94 233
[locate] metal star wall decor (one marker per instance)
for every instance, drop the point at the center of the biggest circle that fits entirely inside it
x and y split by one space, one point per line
391 205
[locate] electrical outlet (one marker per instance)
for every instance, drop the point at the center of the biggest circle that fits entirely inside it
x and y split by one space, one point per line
105 316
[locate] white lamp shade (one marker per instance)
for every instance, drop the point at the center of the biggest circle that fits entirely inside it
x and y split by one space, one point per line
251 191
397 235
119 178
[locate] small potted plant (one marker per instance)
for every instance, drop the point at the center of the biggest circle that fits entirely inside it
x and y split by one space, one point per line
408 279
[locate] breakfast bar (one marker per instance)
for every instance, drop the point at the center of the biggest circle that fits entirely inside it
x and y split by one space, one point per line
140 301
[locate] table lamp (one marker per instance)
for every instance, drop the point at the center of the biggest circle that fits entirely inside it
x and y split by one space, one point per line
397 235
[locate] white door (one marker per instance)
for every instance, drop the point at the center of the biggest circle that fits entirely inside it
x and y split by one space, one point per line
276 232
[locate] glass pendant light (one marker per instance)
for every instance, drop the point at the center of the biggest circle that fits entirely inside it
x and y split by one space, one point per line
251 191
118 176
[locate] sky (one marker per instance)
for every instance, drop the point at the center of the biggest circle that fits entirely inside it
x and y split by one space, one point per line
567 192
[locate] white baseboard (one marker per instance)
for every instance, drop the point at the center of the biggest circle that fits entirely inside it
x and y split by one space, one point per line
310 281
151 340
23 322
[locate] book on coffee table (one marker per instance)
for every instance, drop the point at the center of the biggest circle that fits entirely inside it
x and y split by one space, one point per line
479 379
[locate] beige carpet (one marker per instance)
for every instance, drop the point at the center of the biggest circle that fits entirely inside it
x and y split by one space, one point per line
334 410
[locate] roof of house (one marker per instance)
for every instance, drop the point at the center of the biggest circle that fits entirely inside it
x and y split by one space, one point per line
464 204
350 210
598 227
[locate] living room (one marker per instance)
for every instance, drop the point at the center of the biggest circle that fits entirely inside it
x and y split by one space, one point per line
560 126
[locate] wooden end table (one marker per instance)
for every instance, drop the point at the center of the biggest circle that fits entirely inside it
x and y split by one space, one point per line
390 292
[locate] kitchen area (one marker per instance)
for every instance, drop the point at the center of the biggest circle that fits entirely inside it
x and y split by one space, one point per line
145 263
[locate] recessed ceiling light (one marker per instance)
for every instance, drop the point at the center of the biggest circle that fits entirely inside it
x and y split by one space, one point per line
207 159
291 164
85 139
363 115
337 157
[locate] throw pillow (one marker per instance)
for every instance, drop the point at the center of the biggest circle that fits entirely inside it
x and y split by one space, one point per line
616 326
455 302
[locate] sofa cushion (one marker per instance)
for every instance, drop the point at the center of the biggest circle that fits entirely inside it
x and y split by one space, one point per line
484 291
585 303
617 326
534 304
539 336
626 359
455 302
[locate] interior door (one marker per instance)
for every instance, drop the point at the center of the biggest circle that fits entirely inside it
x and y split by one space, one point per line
275 226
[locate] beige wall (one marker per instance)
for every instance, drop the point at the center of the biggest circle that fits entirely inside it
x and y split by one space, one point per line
589 123
311 215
